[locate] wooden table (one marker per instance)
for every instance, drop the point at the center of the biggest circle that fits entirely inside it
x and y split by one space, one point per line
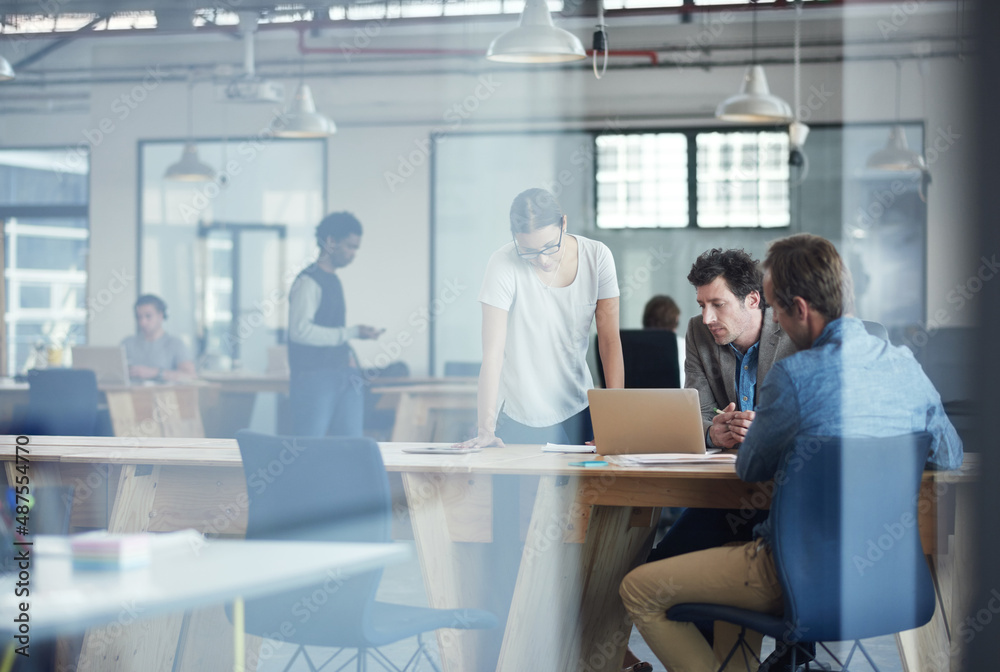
440 412
170 409
231 408
582 530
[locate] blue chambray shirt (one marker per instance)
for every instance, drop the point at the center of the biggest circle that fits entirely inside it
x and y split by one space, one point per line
746 376
849 383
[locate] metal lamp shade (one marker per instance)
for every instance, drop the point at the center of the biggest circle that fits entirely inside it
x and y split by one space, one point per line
536 40
896 155
6 71
302 120
754 103
190 168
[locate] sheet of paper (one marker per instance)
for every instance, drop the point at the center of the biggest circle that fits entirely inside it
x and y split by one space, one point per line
565 448
651 459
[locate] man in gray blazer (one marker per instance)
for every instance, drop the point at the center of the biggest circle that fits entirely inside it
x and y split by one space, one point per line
732 345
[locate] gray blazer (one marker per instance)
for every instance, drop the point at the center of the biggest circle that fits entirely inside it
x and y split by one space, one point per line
711 368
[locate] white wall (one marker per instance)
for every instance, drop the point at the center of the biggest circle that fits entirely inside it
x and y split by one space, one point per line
384 119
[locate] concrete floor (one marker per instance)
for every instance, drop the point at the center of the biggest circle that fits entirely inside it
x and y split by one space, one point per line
403 584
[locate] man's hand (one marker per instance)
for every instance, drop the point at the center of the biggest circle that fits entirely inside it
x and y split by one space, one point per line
369 333
729 427
485 439
143 372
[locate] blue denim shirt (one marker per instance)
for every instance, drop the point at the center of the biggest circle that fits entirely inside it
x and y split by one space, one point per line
746 376
849 383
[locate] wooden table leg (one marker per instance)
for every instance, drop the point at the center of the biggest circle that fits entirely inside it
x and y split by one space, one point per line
938 645
152 644
566 613
465 533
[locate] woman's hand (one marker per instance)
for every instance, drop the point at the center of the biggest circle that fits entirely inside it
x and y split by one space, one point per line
485 439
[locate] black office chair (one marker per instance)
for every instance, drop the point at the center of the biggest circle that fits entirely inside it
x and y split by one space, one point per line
333 489
834 499
63 402
650 359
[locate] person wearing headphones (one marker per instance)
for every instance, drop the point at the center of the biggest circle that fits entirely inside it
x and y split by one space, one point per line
152 353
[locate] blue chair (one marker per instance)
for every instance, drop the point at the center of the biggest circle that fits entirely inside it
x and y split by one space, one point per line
332 489
846 546
64 402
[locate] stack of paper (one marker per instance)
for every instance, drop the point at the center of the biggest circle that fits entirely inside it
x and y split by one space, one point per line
110 552
103 550
563 448
651 459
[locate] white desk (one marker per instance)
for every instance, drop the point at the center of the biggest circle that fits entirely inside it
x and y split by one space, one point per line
66 602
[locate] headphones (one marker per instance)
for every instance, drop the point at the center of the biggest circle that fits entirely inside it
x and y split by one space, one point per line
152 300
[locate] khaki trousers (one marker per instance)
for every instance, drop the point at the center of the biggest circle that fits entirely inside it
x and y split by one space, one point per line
737 575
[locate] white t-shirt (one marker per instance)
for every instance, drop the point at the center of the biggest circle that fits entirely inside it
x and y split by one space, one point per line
545 377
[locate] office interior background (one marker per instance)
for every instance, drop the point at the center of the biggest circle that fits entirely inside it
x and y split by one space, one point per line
433 141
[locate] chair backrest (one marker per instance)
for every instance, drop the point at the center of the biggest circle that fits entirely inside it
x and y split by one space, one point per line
62 402
650 357
845 538
315 489
462 369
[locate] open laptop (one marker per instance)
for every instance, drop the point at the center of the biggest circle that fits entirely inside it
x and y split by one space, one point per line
106 361
646 421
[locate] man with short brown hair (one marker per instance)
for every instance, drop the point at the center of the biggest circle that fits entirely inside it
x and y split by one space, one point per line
843 382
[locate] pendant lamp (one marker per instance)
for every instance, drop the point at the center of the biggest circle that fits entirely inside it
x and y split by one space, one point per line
190 168
754 104
897 155
302 120
6 70
536 40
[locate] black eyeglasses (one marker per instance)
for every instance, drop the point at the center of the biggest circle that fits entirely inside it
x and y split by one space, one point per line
545 251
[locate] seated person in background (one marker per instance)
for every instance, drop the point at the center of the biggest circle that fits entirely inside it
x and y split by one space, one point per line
876 389
153 354
662 312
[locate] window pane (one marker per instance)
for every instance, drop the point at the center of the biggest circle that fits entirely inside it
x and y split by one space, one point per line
743 179
36 296
642 181
43 177
51 253
45 257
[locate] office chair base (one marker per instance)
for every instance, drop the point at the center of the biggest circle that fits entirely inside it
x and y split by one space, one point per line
362 657
808 666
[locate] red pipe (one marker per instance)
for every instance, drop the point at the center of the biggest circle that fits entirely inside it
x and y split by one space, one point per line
304 50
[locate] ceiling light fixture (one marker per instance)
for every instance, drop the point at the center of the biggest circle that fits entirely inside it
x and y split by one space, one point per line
536 40
754 104
302 120
6 70
190 168
897 155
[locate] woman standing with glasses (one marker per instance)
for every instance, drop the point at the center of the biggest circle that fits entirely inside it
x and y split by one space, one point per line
541 293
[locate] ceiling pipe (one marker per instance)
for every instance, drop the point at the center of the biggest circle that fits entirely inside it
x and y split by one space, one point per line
325 23
305 50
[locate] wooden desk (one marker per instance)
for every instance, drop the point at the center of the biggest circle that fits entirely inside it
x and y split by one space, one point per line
136 410
587 528
441 413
